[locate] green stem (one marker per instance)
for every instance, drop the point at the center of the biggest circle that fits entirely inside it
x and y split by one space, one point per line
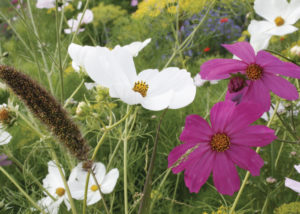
101 195
58 34
21 190
280 150
145 203
248 173
125 163
53 154
73 94
190 37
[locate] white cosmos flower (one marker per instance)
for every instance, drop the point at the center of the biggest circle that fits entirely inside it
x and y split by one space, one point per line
74 23
295 50
171 88
78 53
107 182
45 4
87 18
279 18
292 184
54 184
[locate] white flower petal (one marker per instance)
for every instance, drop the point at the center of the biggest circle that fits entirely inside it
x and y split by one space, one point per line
158 102
93 197
53 180
50 206
78 54
100 171
259 34
135 47
110 180
87 18
45 4
293 14
270 9
292 184
297 167
5 137
282 30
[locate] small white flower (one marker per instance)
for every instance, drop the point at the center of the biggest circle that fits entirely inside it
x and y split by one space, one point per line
295 50
171 88
87 18
79 107
73 25
53 183
45 4
270 180
90 85
292 184
107 182
79 5
279 15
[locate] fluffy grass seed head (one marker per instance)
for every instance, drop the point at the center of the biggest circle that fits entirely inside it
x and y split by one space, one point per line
45 107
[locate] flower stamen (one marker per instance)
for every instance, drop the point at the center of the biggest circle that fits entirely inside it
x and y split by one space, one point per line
94 188
141 87
60 191
279 21
254 72
220 142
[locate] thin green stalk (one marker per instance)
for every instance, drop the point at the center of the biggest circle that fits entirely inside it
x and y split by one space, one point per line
174 194
28 173
280 150
73 94
40 47
248 173
21 190
75 33
101 195
125 141
53 154
145 203
191 36
61 71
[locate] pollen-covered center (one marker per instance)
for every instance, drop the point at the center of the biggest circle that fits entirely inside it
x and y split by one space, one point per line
60 191
94 188
220 142
141 87
279 21
4 114
254 72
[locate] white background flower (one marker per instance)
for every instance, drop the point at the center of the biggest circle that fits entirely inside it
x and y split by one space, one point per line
74 23
45 4
53 183
292 184
279 18
107 182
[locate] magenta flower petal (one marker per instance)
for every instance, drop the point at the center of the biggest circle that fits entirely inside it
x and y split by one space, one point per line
177 152
246 158
258 93
243 115
187 161
220 115
198 172
225 176
196 130
242 50
216 69
273 65
281 87
251 136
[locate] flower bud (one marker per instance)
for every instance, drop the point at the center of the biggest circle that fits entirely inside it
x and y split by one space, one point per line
236 84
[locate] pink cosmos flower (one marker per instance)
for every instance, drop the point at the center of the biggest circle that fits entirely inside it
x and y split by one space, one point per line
261 70
221 146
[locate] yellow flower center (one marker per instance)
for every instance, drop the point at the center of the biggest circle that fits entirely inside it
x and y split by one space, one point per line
94 188
220 142
279 21
141 87
60 191
254 72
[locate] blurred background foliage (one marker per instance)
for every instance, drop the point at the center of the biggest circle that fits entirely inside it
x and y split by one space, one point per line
32 48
